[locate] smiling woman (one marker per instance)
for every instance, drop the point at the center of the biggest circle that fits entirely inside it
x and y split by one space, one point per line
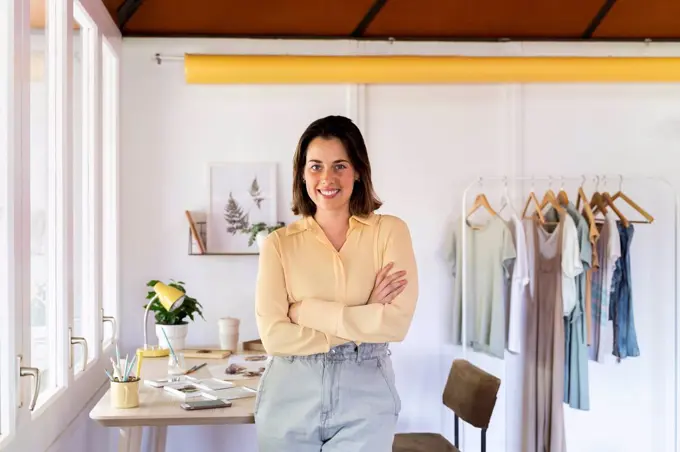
334 287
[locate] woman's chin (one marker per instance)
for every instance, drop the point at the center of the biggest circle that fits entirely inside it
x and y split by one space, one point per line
331 204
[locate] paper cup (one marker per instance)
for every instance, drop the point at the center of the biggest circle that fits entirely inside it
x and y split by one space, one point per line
228 331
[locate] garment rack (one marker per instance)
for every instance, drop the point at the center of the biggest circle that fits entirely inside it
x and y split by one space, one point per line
582 178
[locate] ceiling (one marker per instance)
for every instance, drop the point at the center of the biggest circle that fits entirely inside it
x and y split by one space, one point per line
481 20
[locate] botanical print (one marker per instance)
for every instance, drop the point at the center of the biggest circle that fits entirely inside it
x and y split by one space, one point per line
241 194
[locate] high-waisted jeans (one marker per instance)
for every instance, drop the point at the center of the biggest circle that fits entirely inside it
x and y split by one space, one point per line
340 401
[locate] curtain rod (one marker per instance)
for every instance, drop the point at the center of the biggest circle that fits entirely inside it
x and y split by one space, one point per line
160 58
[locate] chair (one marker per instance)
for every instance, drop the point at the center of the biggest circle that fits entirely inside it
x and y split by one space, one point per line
471 394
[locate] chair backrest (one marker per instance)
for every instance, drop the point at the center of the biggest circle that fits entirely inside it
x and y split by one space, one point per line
471 393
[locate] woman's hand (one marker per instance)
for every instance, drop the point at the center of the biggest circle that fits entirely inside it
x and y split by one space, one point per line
294 312
387 287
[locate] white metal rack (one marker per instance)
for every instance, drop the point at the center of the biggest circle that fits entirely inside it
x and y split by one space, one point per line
676 309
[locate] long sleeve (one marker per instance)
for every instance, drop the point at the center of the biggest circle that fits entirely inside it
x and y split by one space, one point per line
280 336
373 322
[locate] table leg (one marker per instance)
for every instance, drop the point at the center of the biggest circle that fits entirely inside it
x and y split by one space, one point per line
158 435
130 439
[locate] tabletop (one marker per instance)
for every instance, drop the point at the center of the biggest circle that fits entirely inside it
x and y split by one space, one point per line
157 407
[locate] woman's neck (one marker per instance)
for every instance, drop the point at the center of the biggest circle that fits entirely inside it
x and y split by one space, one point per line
332 220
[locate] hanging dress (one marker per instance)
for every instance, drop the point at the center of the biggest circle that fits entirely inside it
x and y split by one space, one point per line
543 390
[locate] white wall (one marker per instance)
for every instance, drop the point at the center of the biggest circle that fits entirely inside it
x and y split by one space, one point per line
426 143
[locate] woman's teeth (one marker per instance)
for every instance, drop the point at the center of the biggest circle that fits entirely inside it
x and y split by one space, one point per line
329 193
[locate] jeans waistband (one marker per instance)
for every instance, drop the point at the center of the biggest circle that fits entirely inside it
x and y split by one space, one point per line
347 352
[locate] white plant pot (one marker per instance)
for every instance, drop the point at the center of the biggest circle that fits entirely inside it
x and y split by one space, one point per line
177 335
259 238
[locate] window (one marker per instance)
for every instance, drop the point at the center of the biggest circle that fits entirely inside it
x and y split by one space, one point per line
51 187
79 191
43 231
5 323
109 188
85 180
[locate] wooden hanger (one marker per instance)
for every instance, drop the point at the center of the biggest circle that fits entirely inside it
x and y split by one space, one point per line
610 203
480 201
587 210
532 199
620 194
598 204
590 216
550 198
562 197
603 200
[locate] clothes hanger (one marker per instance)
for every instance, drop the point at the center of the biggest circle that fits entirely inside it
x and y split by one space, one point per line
480 201
532 199
505 198
603 200
562 197
586 208
550 198
620 194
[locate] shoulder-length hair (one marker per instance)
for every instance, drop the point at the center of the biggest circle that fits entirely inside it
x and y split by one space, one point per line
363 200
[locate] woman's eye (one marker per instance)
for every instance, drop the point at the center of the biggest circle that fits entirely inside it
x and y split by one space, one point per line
340 167
315 167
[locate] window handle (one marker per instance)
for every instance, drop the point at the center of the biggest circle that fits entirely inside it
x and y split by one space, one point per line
78 340
111 319
35 373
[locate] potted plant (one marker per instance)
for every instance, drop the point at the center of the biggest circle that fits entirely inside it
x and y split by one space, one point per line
174 323
258 231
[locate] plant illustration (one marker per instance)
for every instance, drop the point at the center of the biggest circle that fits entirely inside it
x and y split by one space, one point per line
188 308
256 194
236 219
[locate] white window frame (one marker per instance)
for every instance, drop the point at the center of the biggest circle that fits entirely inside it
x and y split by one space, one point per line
110 194
52 416
91 150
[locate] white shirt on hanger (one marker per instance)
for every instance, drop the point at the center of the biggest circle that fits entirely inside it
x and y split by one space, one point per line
518 284
571 264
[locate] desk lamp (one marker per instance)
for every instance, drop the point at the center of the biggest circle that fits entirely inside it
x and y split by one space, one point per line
171 299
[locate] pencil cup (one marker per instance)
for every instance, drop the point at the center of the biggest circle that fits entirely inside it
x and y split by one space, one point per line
125 394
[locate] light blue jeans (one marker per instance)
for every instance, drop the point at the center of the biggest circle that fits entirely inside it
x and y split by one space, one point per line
340 401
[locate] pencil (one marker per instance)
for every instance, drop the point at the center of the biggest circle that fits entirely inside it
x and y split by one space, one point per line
195 368
139 363
170 346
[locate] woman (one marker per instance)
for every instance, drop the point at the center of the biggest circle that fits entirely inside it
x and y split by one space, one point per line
333 289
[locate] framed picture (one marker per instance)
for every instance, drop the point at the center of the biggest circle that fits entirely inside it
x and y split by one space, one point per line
241 194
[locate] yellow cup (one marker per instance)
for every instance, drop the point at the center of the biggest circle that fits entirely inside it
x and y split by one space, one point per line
125 394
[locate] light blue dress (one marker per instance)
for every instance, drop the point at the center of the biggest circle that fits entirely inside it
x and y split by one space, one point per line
576 392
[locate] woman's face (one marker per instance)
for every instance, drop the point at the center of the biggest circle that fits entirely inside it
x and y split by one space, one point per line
329 175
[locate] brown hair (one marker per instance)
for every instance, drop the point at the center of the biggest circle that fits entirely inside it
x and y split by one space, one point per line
363 200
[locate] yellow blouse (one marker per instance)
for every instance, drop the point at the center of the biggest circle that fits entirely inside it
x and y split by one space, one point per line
299 264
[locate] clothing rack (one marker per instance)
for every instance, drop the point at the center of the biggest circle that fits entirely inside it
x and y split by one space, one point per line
676 309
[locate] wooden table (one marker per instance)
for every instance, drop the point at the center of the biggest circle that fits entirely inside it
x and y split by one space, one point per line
159 409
